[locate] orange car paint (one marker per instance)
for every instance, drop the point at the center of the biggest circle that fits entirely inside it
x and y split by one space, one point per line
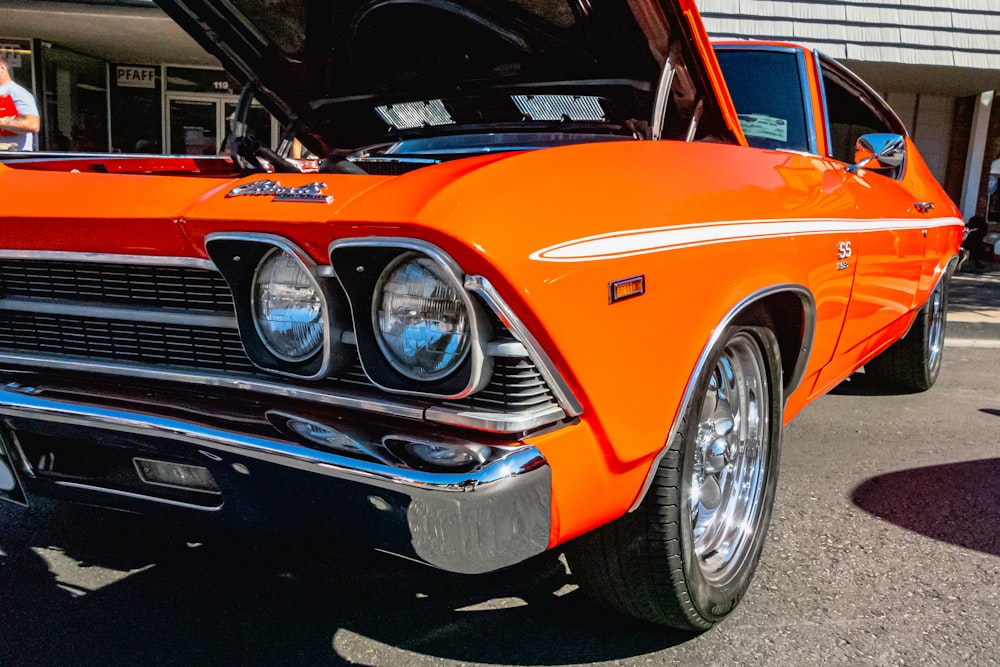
708 225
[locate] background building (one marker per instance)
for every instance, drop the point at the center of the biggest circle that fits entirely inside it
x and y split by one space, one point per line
937 63
118 75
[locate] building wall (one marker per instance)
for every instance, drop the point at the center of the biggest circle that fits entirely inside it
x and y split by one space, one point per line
956 33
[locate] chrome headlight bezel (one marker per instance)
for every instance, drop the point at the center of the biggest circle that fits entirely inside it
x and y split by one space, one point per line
359 265
238 256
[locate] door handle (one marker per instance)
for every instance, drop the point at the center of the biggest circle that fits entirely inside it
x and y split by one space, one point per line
924 206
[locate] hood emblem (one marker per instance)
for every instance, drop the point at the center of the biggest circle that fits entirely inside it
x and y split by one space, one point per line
310 192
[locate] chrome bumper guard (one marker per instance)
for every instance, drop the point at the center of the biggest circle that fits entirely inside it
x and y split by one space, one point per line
461 522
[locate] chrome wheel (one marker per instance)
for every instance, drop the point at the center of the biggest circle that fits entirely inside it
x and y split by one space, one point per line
935 327
730 461
685 557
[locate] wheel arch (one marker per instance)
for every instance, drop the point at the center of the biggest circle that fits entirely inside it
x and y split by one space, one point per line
789 310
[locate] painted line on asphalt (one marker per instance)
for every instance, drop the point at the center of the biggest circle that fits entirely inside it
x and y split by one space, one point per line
972 342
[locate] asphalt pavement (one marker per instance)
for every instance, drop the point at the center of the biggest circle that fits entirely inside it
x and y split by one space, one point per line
974 307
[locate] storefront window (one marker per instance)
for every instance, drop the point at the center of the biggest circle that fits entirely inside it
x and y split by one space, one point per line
136 109
18 53
75 115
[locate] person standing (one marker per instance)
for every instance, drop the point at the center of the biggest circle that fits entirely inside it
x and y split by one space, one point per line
974 239
18 113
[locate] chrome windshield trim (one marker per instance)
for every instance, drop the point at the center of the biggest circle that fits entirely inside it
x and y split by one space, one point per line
149 316
563 394
808 334
108 258
821 86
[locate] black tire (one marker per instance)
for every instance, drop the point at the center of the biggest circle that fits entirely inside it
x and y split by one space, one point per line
913 363
661 562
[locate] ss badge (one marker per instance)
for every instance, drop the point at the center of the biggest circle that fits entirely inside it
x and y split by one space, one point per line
843 252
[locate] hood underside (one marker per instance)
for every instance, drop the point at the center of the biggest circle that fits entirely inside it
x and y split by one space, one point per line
353 73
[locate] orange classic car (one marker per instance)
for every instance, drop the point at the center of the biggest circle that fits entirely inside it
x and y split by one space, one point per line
557 277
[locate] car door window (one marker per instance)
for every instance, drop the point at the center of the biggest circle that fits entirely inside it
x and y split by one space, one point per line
852 111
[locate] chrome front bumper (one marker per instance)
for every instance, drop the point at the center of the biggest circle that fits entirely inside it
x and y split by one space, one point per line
469 523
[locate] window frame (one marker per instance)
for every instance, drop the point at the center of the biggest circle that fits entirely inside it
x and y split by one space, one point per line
856 87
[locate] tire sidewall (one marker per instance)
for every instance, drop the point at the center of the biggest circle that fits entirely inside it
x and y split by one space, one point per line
932 366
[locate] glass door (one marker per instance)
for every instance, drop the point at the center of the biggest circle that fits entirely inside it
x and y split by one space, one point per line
199 125
193 126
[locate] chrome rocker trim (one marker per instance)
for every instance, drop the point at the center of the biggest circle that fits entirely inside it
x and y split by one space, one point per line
468 523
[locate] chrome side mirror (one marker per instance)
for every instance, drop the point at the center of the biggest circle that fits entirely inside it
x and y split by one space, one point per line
883 152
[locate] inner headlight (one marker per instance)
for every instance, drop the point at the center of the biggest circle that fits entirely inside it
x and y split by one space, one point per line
287 308
421 322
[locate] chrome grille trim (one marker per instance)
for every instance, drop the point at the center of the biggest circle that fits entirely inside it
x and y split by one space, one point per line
341 399
149 316
107 258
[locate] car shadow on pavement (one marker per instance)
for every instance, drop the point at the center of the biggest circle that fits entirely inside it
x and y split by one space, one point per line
153 597
956 503
860 384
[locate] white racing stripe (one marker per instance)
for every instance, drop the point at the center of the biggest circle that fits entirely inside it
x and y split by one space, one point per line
662 239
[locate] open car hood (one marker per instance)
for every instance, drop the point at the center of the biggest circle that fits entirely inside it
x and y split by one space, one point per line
352 73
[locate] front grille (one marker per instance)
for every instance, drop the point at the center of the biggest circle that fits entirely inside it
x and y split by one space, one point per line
516 386
117 284
165 346
157 318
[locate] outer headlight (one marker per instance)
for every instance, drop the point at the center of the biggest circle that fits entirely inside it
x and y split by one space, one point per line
287 308
421 322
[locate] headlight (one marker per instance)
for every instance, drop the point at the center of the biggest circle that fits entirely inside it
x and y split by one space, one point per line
421 322
287 308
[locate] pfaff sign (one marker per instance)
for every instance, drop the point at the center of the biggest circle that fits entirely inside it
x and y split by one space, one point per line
135 77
